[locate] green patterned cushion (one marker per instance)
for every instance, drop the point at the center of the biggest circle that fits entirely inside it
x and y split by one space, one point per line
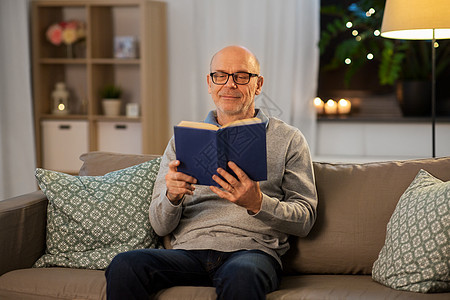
416 253
90 219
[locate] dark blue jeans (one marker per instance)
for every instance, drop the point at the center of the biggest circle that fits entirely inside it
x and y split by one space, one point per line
246 274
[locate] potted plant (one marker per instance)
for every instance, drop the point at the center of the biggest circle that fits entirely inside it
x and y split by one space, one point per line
111 100
413 85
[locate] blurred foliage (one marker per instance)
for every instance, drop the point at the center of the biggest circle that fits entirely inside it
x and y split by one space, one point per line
396 59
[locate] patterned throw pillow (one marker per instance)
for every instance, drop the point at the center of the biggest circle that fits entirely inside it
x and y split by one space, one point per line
90 219
416 253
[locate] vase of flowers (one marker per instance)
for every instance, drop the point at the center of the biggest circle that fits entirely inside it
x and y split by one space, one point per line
67 33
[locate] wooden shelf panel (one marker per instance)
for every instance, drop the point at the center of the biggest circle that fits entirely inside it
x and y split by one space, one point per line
116 61
98 61
63 117
63 61
116 119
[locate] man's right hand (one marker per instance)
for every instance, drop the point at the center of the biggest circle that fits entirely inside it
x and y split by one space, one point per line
178 184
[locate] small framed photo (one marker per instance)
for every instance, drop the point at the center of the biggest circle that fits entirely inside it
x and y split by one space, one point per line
125 47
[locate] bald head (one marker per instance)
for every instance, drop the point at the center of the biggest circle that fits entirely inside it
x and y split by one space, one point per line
236 52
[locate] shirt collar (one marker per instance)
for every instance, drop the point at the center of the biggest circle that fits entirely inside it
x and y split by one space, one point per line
211 118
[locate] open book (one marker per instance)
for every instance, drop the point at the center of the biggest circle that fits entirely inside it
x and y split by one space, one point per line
202 148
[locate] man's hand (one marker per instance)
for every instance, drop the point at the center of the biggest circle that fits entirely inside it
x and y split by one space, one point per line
241 190
178 184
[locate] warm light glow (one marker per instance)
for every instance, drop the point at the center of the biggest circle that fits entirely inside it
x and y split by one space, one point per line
436 45
349 25
358 38
355 32
318 104
330 107
376 33
348 61
369 56
317 101
372 11
61 106
344 106
417 34
416 19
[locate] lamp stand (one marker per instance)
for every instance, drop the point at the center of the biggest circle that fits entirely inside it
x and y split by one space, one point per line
433 94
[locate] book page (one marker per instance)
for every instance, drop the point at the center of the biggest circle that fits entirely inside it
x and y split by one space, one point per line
243 122
207 126
198 125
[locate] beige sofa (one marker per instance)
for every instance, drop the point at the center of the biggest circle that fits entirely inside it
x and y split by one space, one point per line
333 262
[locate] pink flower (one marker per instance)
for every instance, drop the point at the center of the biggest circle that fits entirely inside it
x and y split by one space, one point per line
68 32
54 34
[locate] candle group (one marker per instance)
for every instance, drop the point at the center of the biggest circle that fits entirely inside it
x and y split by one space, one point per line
331 107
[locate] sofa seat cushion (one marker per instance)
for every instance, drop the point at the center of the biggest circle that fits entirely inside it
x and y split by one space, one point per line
341 287
64 283
311 287
53 283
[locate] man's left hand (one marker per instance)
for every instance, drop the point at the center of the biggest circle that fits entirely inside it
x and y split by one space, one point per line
241 190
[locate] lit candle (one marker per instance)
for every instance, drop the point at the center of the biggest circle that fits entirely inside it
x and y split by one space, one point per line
318 104
344 106
330 107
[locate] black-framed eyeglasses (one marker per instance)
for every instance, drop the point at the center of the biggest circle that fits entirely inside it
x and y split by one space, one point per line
221 78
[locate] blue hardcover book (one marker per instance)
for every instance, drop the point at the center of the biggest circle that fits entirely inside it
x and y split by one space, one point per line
202 148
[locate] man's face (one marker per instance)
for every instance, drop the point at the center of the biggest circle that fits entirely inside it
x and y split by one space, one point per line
233 100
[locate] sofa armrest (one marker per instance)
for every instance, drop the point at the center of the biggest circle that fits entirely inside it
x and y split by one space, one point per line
22 230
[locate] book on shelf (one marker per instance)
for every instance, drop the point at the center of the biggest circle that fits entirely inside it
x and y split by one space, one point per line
202 148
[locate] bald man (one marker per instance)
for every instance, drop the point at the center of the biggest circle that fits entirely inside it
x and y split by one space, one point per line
230 237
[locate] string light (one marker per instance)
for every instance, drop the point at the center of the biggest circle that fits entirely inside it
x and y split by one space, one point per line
349 25
369 56
370 12
355 32
376 33
348 61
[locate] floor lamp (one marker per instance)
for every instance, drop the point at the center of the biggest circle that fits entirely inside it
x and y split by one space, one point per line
419 20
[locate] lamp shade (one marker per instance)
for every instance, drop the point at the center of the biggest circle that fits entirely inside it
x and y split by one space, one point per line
416 19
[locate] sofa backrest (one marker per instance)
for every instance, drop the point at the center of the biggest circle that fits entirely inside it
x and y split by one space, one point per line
99 163
356 202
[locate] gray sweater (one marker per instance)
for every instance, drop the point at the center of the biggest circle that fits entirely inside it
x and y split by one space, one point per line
204 221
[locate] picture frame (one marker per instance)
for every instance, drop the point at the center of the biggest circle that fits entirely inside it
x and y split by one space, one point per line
125 47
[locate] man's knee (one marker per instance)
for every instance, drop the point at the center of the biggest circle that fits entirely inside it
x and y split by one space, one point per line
123 263
245 271
248 277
